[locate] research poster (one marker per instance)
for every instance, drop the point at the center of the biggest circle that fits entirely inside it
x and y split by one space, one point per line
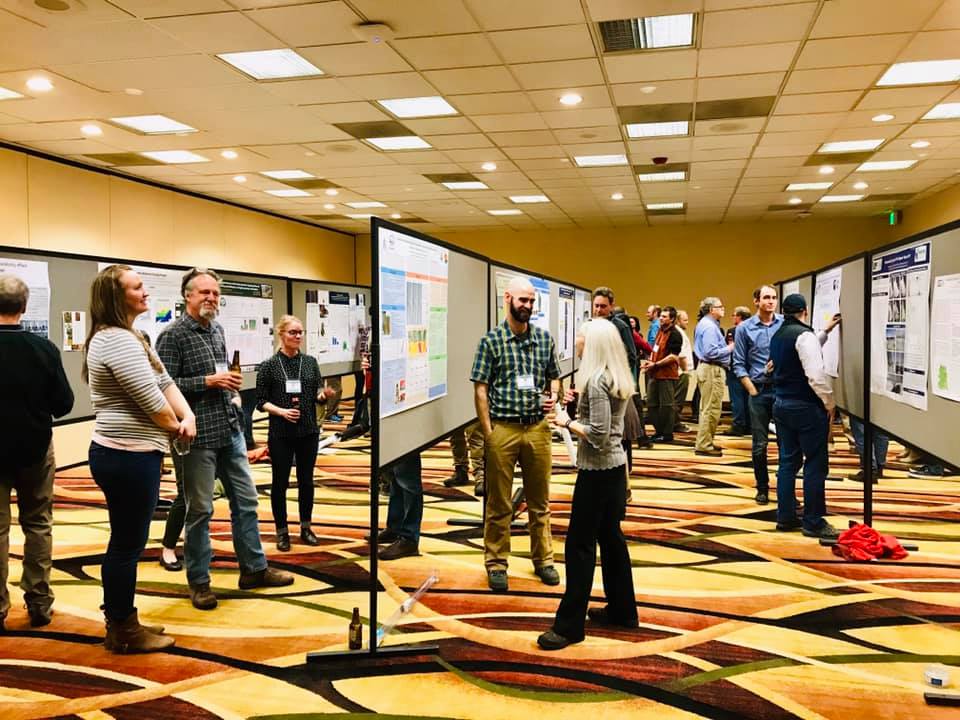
246 314
413 286
565 323
541 306
35 273
332 323
74 329
945 337
164 302
900 324
826 304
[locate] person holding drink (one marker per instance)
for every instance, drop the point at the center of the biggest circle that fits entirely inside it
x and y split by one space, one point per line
282 381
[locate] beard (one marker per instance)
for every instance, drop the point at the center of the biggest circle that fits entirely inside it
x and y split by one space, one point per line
520 314
208 313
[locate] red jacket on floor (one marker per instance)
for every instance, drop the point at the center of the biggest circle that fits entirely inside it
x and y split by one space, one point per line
862 542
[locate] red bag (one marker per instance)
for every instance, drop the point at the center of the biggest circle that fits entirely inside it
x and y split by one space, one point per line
863 543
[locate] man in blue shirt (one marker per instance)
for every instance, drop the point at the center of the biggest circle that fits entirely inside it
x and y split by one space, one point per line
711 348
653 315
750 355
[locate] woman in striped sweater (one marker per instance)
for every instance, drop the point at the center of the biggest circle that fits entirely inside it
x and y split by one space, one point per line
138 408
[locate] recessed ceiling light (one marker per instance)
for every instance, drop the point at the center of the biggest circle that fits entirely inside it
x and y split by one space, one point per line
287 174
329 206
599 160
133 91
921 73
943 111
794 201
229 154
6 94
175 157
39 83
403 142
920 144
860 185
240 178
288 192
466 185
840 198
396 216
880 165
363 205
678 176
91 130
616 196
153 124
271 64
882 117
647 89
309 153
432 106
332 192
505 212
658 129
665 206
792 187
489 166
922 155
359 216
842 146
521 199
570 99
826 170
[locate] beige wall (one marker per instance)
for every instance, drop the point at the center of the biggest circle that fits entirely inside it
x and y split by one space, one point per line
939 209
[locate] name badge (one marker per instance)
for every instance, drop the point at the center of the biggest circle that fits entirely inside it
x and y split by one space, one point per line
525 382
293 387
656 347
222 367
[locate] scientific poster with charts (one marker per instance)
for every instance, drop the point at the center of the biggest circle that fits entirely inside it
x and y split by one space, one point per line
900 324
945 337
331 326
246 314
37 277
164 302
541 306
826 304
565 323
413 280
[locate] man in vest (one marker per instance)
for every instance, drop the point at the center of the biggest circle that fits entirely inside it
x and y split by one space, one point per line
802 409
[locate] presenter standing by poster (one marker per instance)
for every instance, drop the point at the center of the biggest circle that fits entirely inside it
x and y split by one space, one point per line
515 375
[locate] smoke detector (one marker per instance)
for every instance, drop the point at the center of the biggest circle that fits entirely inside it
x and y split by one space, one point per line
373 32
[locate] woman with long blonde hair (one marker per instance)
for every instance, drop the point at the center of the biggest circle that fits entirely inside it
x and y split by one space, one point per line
599 496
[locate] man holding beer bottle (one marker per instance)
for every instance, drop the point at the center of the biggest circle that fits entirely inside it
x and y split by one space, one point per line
194 352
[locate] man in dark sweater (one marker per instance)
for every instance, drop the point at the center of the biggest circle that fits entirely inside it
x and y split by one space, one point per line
35 390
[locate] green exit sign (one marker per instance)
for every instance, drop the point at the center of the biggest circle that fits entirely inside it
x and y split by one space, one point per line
895 217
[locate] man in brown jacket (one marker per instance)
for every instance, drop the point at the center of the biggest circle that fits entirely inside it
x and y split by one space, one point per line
663 369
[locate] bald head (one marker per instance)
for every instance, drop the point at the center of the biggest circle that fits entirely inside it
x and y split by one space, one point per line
519 299
520 286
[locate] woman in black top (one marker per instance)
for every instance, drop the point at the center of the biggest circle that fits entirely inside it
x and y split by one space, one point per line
287 389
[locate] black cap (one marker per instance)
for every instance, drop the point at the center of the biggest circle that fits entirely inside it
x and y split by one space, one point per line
794 303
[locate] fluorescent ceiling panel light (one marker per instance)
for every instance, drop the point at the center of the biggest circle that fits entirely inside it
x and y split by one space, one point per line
6 94
658 129
365 204
943 111
842 146
880 165
665 31
840 198
175 157
808 186
287 174
505 212
599 160
418 107
359 216
665 206
921 73
466 185
271 64
288 192
663 177
153 124
521 199
403 142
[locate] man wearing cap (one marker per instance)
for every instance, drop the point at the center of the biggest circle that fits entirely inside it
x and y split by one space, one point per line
803 407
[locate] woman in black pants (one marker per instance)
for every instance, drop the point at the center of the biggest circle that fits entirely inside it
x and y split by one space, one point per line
287 387
606 386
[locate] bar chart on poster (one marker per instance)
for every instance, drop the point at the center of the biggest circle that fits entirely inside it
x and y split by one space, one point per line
164 302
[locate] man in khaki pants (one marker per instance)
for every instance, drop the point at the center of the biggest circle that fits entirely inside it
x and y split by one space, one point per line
513 366
714 353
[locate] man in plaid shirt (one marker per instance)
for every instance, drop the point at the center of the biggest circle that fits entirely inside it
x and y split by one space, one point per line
194 352
514 365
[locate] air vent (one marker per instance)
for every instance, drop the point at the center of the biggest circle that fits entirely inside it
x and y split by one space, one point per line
122 159
736 108
647 33
620 35
310 184
374 129
853 158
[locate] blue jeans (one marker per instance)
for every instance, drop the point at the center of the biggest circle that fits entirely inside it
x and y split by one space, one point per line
200 467
130 482
881 443
761 413
405 510
802 438
738 401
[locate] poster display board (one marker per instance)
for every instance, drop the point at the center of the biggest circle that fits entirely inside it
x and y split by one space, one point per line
826 304
945 337
333 321
164 301
246 314
412 277
566 323
36 275
900 323
541 307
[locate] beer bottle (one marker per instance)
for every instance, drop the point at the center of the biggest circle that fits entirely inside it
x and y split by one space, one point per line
235 363
355 635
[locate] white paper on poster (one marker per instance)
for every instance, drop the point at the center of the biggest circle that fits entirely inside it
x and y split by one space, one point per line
35 273
826 304
791 287
541 306
565 323
164 301
74 330
246 314
945 337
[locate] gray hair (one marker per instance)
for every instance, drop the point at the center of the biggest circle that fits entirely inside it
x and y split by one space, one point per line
708 304
186 284
743 312
14 294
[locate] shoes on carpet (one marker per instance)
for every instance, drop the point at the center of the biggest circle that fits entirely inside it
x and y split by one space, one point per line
738 431
175 566
401 548
202 597
662 438
479 487
926 471
40 615
858 476
384 537
497 580
824 531
335 418
548 575
681 427
283 541
268 577
601 616
789 525
308 537
761 497
644 443
552 641
460 477
712 452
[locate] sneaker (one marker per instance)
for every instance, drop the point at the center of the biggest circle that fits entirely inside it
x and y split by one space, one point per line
497 580
335 418
712 452
825 531
789 525
268 577
681 427
39 615
926 471
552 641
202 597
400 549
761 497
548 575
459 477
601 616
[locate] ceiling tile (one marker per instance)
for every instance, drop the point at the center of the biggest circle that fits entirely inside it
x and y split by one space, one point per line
217 33
162 8
441 126
785 123
394 85
558 74
726 127
460 141
665 91
893 97
554 153
833 79
506 14
151 74
946 18
623 9
839 52
592 134
580 118
492 103
514 121
355 59
653 67
542 44
746 59
820 102
415 18
738 86
473 80
532 137
322 23
310 92
347 112
448 51
594 96
848 17
935 45
756 25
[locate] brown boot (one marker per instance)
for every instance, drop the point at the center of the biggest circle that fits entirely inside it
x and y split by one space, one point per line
155 629
129 636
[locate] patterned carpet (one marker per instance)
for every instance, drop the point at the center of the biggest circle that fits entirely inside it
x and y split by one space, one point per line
737 620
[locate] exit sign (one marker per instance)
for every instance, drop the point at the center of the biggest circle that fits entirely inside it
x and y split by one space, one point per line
895 217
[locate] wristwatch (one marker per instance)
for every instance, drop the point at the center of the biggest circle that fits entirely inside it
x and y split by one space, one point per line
567 423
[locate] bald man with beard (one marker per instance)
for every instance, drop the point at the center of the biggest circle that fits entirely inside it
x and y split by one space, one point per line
515 376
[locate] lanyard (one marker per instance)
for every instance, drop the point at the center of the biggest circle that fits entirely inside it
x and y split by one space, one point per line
299 369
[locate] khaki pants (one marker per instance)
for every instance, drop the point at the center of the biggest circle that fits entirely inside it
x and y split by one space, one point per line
529 445
34 486
711 379
471 436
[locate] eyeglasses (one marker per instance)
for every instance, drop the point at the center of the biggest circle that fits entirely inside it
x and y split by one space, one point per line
295 333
